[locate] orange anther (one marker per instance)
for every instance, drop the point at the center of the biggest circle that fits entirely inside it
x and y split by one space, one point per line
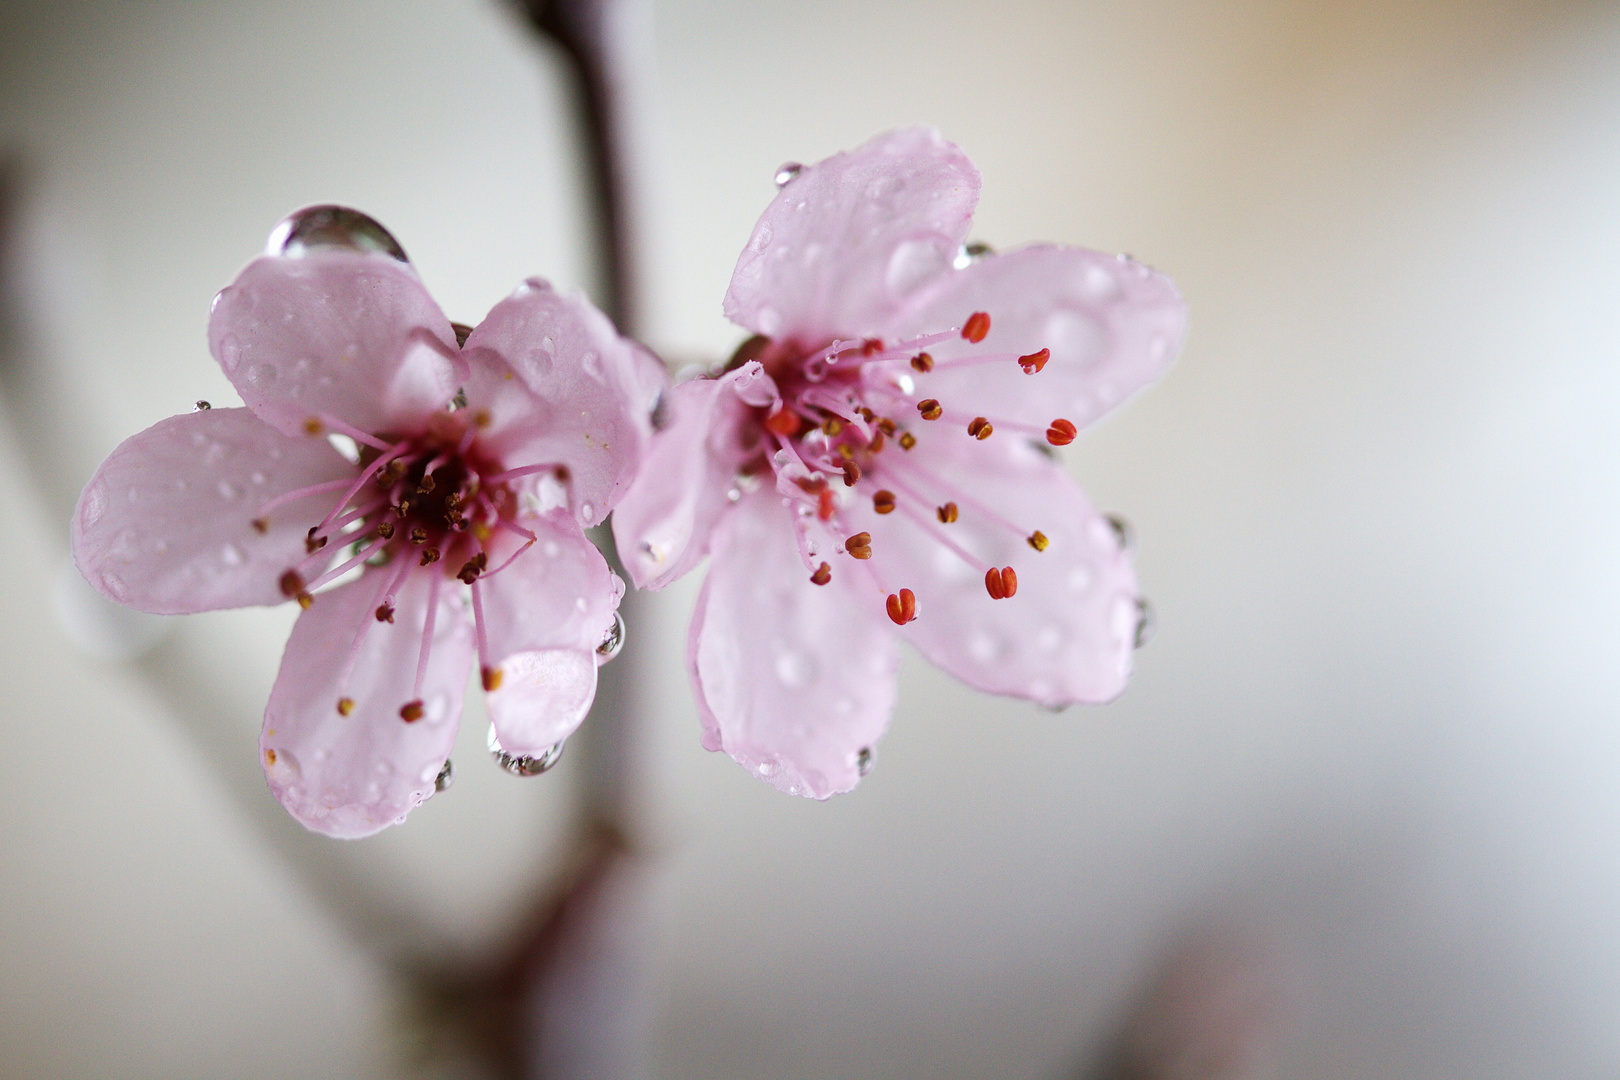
902 606
852 473
822 575
784 422
976 327
947 513
883 502
923 362
980 428
833 425
411 711
345 706
491 677
907 440
876 444
1034 361
871 346
1038 540
860 545
1009 581
1060 433
260 526
929 407
826 503
291 583
1000 584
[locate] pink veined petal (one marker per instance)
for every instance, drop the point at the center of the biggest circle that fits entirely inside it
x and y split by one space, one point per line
844 243
556 384
544 616
333 333
1068 632
663 524
166 523
350 776
792 679
1112 325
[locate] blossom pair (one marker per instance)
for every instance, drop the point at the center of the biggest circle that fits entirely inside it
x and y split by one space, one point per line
875 462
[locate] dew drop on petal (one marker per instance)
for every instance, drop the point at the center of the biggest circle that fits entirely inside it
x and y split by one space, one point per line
786 172
231 555
444 777
761 238
327 227
863 761
795 669
1124 535
94 505
262 376
612 641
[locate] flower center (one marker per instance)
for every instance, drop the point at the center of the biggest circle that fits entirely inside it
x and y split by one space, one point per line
830 438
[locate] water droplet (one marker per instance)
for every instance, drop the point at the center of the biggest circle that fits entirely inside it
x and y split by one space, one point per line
612 641
766 768
331 227
863 761
230 350
262 376
551 548
228 491
522 765
1146 623
786 172
231 555
734 494
1124 535
968 254
586 513
761 238
1100 284
258 478
95 504
592 363
445 777
795 669
201 406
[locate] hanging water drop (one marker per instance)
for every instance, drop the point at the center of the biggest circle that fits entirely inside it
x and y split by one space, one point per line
1123 533
612 642
331 227
522 764
863 761
787 172
201 406
446 777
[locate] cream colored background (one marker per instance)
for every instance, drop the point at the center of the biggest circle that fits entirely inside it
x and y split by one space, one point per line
1376 501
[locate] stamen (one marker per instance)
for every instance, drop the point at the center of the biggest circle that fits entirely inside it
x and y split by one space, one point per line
1038 540
313 543
385 529
907 440
930 409
876 444
883 502
976 327
852 473
387 602
833 426
979 428
293 496
260 525
292 586
922 362
1061 433
370 470
902 606
859 546
822 575
1000 584
411 711
429 557
885 425
947 513
345 706
490 676
472 568
1034 361
344 429
347 565
419 535
434 580
785 422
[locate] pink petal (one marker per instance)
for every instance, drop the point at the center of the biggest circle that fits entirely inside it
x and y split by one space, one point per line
793 680
1112 325
165 525
1068 632
544 616
349 776
353 337
663 524
845 242
560 386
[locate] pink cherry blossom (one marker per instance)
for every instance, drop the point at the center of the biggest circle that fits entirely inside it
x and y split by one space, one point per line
479 455
876 462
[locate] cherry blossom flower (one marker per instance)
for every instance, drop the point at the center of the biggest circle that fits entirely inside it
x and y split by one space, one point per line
876 462
475 457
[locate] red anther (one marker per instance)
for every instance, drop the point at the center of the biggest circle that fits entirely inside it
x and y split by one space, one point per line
411 711
822 575
1000 584
826 503
976 327
883 502
923 362
385 613
885 425
291 583
784 422
871 346
902 606
860 545
812 484
907 440
867 414
345 706
491 677
313 543
980 428
852 473
1034 361
947 513
1060 432
929 407
260 525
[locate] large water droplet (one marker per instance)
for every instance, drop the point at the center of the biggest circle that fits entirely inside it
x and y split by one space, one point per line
201 406
786 172
317 228
522 765
612 641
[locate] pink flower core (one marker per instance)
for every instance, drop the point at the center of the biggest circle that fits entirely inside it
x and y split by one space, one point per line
840 430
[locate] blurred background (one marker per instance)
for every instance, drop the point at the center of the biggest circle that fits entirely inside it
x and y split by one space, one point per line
1356 816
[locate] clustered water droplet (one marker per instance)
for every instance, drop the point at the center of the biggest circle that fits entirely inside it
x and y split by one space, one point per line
523 764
